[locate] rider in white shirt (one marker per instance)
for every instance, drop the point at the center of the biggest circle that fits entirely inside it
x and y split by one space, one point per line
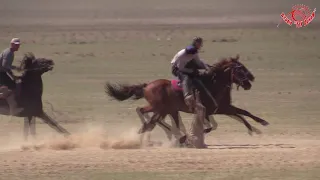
185 65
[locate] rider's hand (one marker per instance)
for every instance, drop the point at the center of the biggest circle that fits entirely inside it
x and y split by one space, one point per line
202 73
16 68
18 81
195 73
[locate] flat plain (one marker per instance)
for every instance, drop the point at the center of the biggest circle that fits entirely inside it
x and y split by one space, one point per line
96 41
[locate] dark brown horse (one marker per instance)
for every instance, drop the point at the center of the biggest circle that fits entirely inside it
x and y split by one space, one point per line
165 100
30 94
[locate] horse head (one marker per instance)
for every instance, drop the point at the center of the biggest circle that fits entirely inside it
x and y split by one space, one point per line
36 65
231 70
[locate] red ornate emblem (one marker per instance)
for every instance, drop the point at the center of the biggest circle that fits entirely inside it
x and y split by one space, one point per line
300 15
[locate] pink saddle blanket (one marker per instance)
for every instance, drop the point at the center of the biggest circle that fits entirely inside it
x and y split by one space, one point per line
176 85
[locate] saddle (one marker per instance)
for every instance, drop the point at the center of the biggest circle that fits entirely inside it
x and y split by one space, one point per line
176 85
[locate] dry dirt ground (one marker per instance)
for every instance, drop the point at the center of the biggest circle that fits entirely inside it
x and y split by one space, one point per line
117 41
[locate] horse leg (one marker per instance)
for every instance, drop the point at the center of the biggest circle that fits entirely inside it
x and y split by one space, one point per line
32 123
149 126
26 127
245 122
166 128
246 113
175 117
53 124
210 124
143 116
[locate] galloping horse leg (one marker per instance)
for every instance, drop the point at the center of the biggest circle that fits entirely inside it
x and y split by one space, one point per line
210 124
246 113
145 119
52 123
165 126
149 126
26 127
32 123
29 125
143 116
245 122
175 117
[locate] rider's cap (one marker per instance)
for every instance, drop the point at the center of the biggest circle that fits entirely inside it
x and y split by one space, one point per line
15 41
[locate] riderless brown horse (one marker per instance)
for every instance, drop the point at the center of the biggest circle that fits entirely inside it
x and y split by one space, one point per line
165 97
30 94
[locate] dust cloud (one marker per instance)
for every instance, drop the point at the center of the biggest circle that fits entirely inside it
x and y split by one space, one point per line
93 136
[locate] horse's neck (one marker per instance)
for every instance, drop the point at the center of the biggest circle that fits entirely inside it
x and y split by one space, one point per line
221 88
32 75
31 80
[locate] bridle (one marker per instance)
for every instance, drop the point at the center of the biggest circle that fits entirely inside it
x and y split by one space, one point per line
233 70
236 69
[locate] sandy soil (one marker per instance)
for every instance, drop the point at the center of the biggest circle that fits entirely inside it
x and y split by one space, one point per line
96 150
113 40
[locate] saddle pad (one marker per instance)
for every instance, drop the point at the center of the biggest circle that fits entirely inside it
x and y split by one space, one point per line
176 85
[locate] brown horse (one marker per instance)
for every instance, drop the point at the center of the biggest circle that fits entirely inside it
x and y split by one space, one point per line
165 98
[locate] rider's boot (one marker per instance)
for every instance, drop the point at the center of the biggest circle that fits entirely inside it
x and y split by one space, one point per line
187 93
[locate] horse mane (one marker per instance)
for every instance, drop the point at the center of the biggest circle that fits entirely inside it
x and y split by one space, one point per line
223 63
29 56
38 64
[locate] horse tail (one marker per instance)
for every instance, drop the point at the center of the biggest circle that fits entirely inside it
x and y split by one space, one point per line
123 92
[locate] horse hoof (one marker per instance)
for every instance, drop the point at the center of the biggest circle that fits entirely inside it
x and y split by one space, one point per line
264 123
140 131
183 139
207 130
205 146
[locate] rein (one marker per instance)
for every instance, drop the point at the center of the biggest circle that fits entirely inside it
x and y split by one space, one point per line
216 100
207 91
34 69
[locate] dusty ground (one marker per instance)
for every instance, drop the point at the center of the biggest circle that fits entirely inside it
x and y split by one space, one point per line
116 41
